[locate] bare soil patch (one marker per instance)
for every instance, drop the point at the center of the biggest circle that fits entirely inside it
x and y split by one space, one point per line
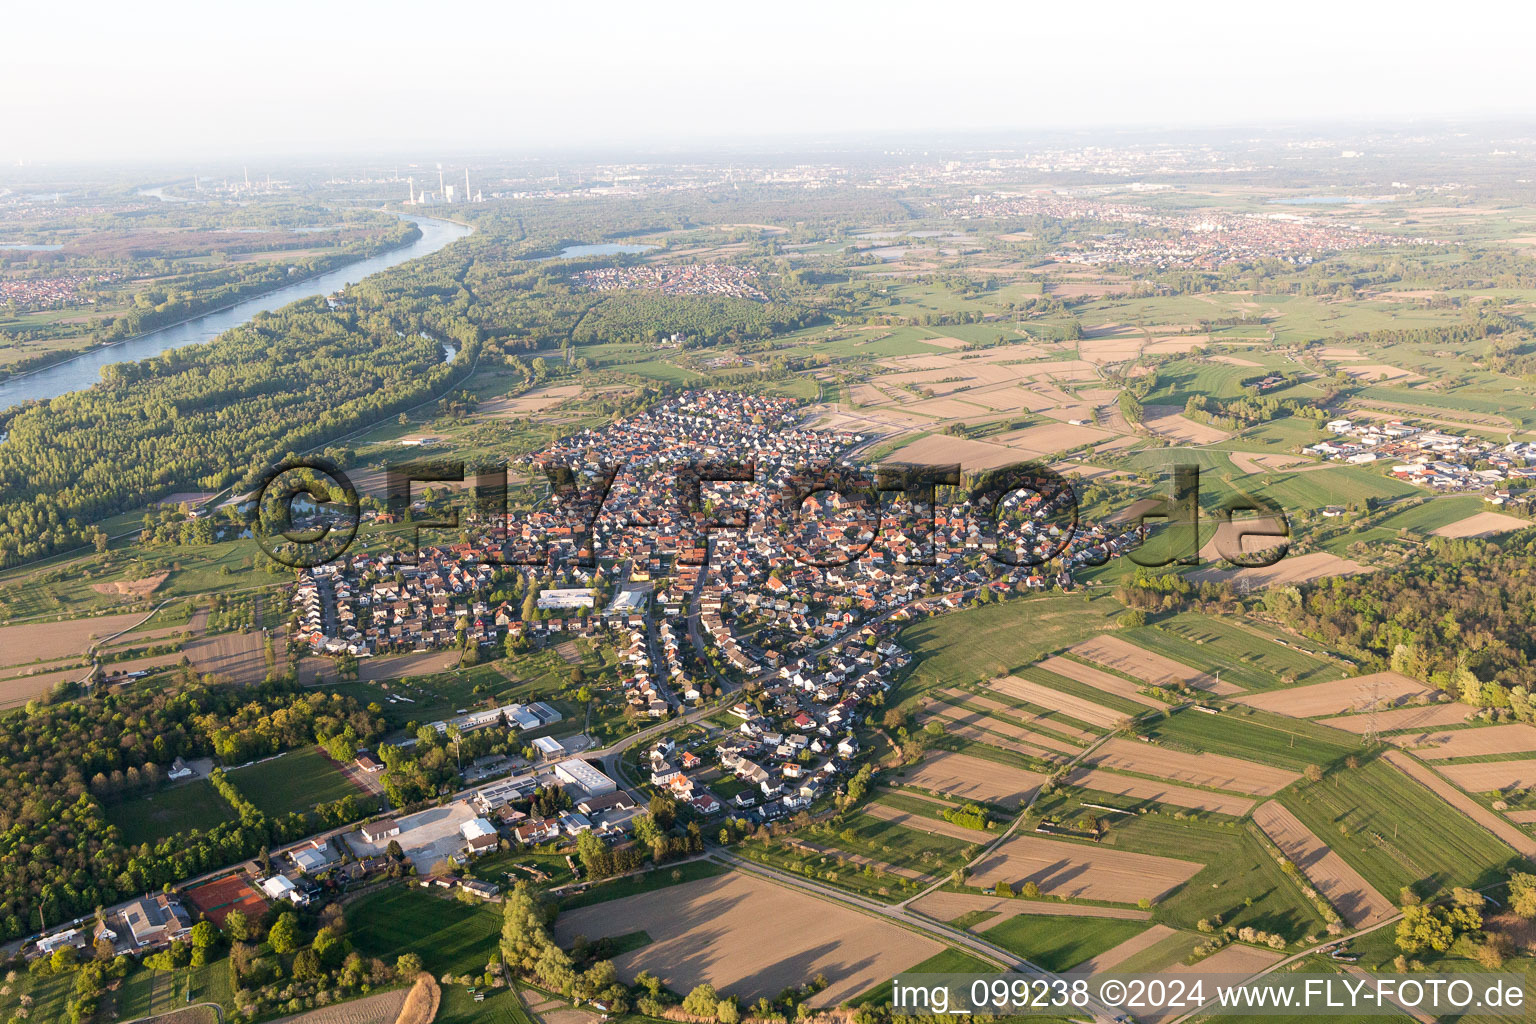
961 716
1214 771
1154 669
946 906
1340 695
1067 703
1427 717
1046 721
1077 870
1491 776
49 641
1159 792
1169 421
1473 742
132 588
1351 895
972 778
750 937
1483 524
1290 569
1099 680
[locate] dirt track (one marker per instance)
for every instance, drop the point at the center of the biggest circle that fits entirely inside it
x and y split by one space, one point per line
751 938
1350 894
1210 770
1080 870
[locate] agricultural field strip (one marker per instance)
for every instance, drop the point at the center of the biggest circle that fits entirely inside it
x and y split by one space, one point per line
1473 742
1426 776
745 934
1426 717
1049 722
1350 894
1049 746
1116 955
1066 703
1332 698
943 905
1078 870
1211 771
1099 680
1154 669
921 823
1140 789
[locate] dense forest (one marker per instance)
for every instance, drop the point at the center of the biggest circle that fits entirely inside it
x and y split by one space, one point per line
1458 614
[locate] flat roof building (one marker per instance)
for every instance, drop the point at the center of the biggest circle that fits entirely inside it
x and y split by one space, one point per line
580 773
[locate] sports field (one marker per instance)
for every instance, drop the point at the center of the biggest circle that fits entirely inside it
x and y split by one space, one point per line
169 811
294 782
452 937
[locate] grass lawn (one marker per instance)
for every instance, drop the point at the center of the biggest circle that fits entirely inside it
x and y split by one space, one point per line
295 781
1057 943
451 937
169 811
1391 830
501 1006
1255 735
658 878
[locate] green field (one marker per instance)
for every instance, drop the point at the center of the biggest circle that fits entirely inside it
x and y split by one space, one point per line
1057 943
451 937
500 1006
895 844
657 878
1241 881
1245 656
995 639
949 961
169 811
293 782
1391 830
1256 735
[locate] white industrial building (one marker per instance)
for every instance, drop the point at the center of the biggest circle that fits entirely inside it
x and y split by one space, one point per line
582 774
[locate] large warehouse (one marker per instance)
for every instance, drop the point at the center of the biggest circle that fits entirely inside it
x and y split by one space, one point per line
579 773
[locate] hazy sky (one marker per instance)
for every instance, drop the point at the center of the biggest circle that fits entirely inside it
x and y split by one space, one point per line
176 80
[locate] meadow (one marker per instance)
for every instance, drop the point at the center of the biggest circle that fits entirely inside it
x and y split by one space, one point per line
1386 827
1057 943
